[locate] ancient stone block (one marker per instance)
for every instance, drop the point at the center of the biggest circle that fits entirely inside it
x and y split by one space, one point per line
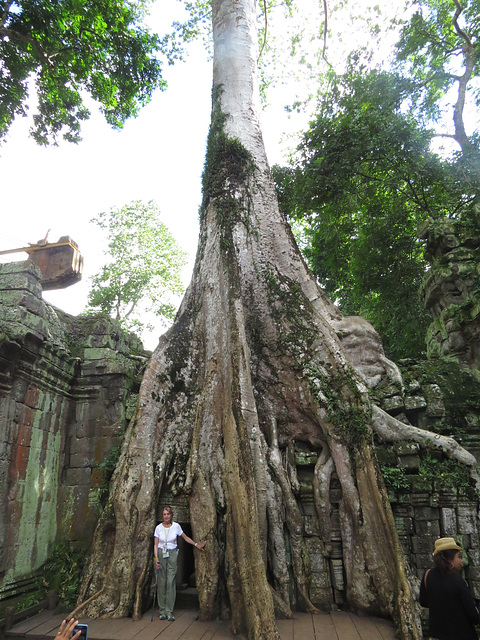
404 511
429 528
474 557
415 403
419 485
393 404
79 476
423 544
426 513
434 397
336 572
310 525
406 448
467 519
404 526
409 462
448 522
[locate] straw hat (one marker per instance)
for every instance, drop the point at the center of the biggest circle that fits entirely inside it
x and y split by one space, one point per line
443 544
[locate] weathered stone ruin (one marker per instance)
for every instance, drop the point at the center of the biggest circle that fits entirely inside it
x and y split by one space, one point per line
451 290
67 389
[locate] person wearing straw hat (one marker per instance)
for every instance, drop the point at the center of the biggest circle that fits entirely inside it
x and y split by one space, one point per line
452 611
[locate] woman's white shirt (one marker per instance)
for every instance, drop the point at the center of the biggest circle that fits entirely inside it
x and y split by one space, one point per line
167 536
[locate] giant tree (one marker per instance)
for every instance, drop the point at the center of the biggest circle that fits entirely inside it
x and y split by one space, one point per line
253 363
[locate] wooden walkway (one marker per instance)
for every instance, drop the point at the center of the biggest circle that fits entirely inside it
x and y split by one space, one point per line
336 625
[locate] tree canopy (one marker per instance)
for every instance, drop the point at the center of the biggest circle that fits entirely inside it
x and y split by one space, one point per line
364 176
143 271
439 49
66 48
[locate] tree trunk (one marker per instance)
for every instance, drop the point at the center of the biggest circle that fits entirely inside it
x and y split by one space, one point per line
252 365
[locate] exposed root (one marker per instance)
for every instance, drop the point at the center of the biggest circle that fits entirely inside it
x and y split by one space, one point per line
324 469
294 521
389 429
82 605
282 610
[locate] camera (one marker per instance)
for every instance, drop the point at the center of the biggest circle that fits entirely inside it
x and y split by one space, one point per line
84 629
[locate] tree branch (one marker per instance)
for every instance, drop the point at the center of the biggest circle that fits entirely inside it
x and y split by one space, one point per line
266 28
5 12
325 27
21 37
457 27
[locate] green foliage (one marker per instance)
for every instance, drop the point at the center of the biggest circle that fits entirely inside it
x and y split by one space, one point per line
145 264
439 49
63 572
197 25
36 592
227 167
394 477
364 176
460 393
68 48
340 396
450 473
362 181
108 467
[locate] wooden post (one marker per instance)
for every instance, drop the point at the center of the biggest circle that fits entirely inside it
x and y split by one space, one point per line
9 617
52 599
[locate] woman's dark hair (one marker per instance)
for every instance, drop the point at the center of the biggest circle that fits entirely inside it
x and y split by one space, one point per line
444 559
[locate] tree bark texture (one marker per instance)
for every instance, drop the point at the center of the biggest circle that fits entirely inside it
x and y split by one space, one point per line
253 365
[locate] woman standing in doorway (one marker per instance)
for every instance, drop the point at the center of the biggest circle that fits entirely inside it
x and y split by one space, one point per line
165 551
452 610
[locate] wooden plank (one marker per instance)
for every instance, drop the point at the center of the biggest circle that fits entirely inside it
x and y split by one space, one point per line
151 630
324 627
175 630
49 627
344 626
366 627
201 630
105 628
26 625
386 628
133 627
303 628
223 631
285 629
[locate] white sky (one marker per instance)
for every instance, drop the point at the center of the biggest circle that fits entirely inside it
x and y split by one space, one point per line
158 156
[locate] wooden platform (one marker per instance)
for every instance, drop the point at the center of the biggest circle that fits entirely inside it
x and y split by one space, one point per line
304 626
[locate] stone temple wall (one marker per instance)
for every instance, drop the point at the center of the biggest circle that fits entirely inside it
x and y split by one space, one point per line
431 496
451 287
68 386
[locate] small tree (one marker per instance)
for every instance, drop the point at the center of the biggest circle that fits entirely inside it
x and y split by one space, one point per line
145 263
